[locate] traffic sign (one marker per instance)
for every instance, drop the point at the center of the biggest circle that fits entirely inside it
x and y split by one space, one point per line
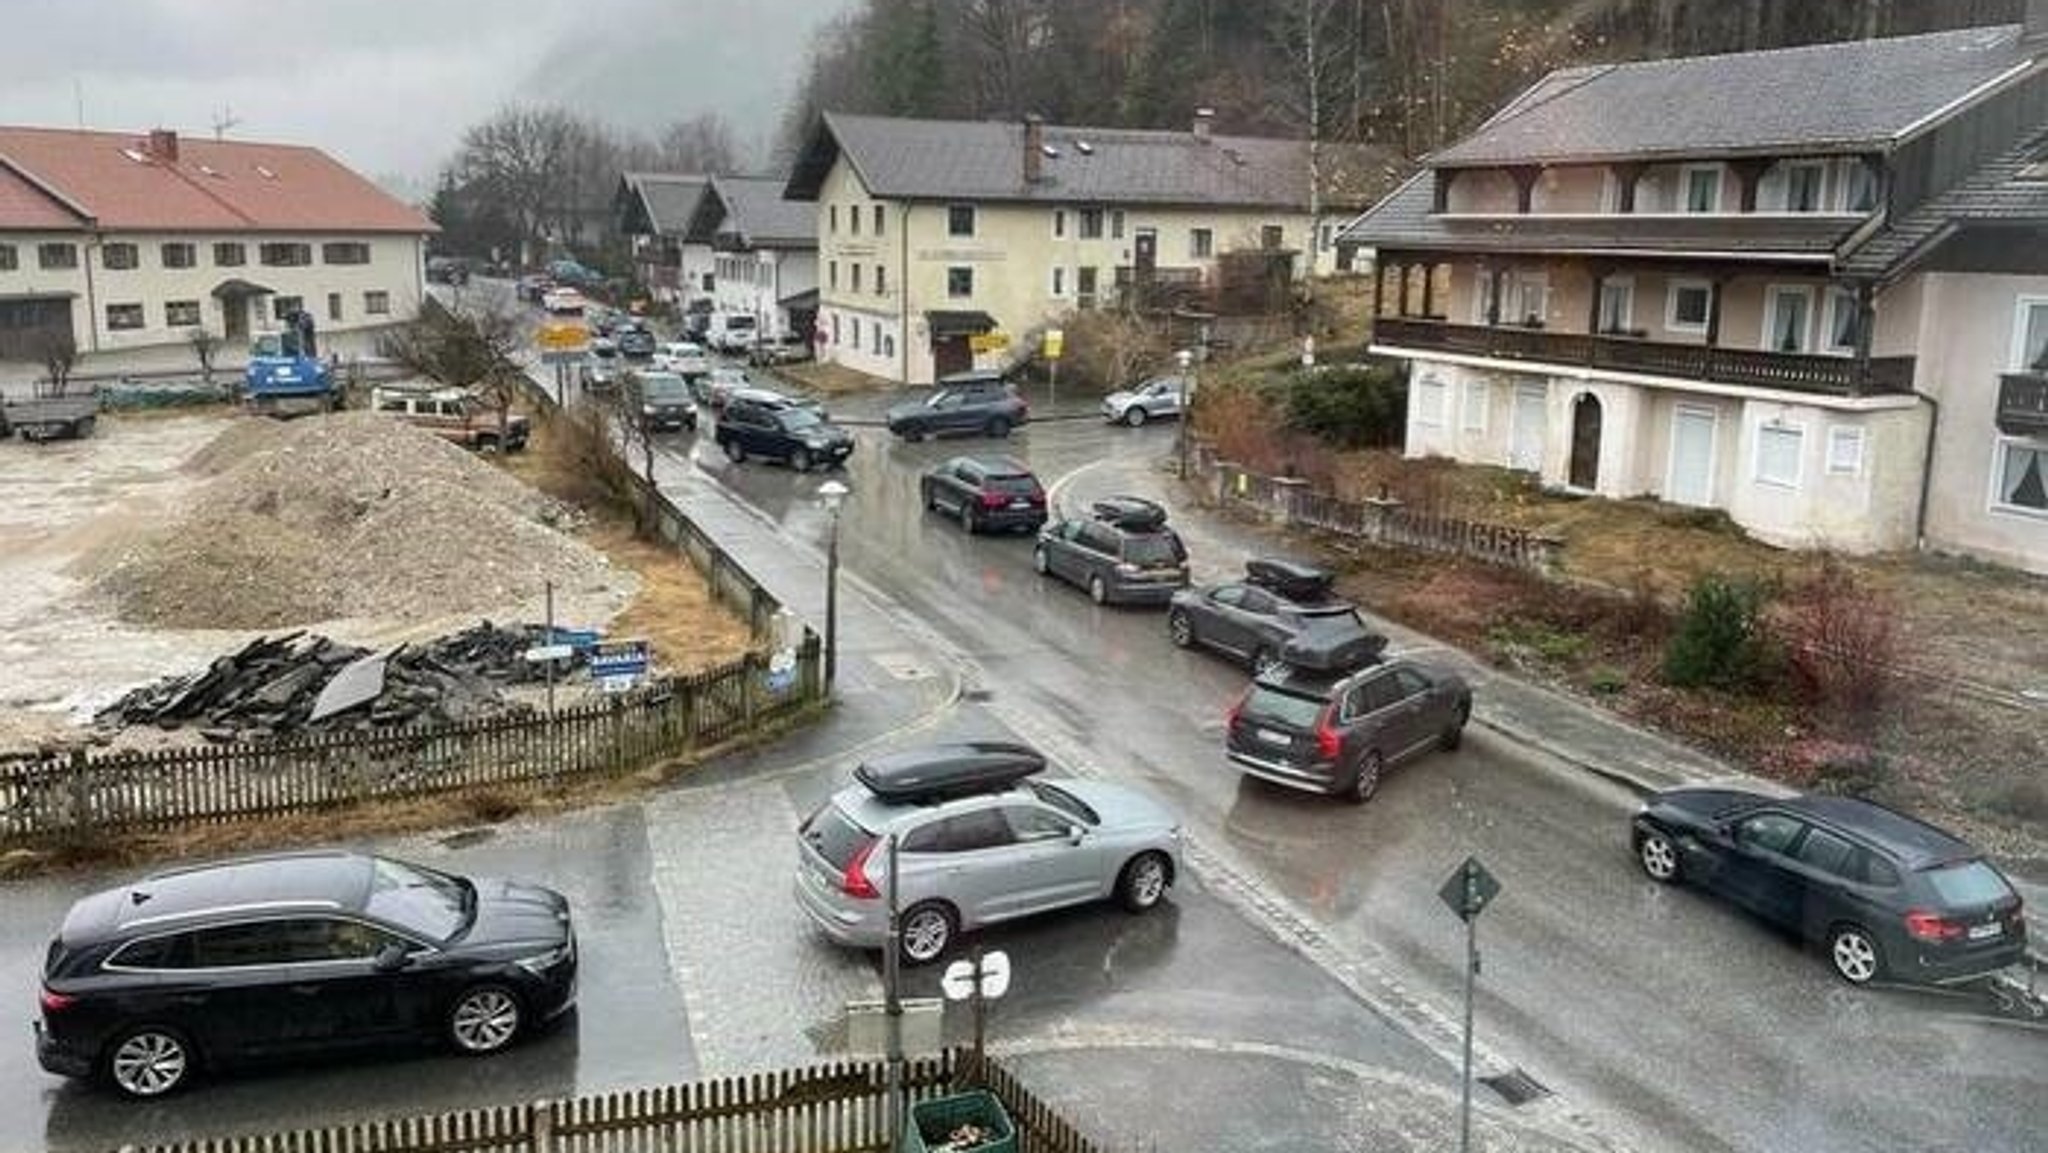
1055 343
958 983
1469 890
563 336
539 653
989 341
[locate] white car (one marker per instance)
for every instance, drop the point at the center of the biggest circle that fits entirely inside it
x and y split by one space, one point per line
1160 396
563 302
683 357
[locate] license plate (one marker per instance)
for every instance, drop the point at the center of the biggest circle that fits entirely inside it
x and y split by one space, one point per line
1273 738
1020 504
1986 932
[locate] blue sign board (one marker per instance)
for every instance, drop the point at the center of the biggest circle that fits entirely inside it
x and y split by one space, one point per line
613 659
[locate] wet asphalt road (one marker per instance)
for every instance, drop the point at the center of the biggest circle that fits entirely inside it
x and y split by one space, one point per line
1676 1020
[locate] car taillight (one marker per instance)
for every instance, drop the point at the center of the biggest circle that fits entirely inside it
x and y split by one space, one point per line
1237 710
1038 498
855 883
1926 926
993 500
56 1002
1328 741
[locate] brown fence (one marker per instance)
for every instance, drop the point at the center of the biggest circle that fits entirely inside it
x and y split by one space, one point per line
78 791
839 1107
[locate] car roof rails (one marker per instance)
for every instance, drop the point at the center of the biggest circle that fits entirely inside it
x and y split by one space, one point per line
1131 512
944 772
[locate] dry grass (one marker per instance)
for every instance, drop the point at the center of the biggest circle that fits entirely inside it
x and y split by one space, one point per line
830 379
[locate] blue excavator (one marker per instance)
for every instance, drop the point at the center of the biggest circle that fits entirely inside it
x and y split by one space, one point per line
285 375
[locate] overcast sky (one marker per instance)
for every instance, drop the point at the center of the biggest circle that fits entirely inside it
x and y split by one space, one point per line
388 85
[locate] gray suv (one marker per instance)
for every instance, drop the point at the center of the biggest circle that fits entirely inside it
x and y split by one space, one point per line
964 403
977 842
1333 720
1122 552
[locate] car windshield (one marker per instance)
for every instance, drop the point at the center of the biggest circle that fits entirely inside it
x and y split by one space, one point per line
432 904
1969 883
1157 548
798 419
1064 801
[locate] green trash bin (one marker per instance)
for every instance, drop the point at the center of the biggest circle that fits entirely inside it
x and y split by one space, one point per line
934 1125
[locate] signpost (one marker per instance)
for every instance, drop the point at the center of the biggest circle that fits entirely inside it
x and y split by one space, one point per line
1054 346
985 978
619 665
781 672
1468 891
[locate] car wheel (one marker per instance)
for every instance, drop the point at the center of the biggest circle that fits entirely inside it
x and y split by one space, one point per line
1181 628
967 520
1265 661
1454 733
999 428
1098 591
800 460
912 433
1040 561
733 451
487 443
1367 780
1143 882
931 502
149 1062
483 1020
1135 415
927 930
1658 855
1854 954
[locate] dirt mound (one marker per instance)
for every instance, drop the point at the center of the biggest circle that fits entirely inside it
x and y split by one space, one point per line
348 515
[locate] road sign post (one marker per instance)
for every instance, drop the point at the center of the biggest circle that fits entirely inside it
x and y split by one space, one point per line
981 980
892 999
1468 891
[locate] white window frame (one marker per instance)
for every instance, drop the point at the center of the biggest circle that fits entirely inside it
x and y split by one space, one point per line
1424 418
1848 446
1059 282
1685 175
1476 399
1820 192
1756 455
1207 248
1837 299
1845 182
1517 283
1610 193
1771 292
1713 414
2003 445
1628 304
1059 224
1672 288
2016 358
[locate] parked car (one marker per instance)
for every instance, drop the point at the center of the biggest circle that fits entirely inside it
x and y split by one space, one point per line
978 841
788 348
716 386
601 368
1335 718
1885 894
665 404
963 403
454 415
1254 619
996 492
1158 397
635 340
749 428
1122 552
564 302
770 398
248 960
684 357
731 332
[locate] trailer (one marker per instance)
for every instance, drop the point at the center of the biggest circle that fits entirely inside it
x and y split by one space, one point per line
50 415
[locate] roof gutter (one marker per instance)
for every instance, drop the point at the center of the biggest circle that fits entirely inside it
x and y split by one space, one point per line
85 218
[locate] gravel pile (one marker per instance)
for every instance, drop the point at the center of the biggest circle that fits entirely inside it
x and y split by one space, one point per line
346 515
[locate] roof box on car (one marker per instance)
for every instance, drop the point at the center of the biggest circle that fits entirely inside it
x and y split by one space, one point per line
1291 579
1131 512
941 772
1333 647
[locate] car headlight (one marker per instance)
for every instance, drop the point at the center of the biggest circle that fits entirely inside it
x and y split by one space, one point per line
540 963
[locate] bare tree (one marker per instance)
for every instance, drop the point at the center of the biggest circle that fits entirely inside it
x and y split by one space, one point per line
624 407
469 350
703 143
58 352
205 346
1315 54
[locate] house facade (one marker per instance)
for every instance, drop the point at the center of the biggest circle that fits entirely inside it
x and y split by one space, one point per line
653 211
933 233
1822 307
123 242
764 252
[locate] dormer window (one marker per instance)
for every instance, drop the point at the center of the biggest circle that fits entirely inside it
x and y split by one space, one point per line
1859 186
1802 187
1701 188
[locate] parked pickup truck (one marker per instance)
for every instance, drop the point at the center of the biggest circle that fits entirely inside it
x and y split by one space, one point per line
58 416
454 415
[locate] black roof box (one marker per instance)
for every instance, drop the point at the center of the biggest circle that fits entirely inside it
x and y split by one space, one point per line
941 772
1131 512
1291 579
1335 646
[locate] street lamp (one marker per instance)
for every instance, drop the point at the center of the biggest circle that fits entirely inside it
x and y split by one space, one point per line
1186 358
831 495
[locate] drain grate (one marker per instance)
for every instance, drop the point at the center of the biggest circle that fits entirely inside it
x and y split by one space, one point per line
1516 1087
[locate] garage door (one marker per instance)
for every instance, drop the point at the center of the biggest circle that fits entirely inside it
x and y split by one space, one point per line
26 322
1692 455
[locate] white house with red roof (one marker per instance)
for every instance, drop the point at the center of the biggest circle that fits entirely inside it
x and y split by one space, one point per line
125 241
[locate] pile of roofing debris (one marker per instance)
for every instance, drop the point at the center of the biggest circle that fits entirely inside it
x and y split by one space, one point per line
298 683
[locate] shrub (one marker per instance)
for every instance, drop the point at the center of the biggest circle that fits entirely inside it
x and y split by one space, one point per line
1841 639
1349 406
1607 681
1111 349
1548 644
1720 641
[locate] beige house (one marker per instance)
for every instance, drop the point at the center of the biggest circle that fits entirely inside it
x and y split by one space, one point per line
123 242
931 233
1808 286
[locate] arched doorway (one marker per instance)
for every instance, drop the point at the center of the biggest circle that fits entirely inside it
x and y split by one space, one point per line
1585 467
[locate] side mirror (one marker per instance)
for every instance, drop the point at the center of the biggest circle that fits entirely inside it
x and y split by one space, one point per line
1076 834
391 958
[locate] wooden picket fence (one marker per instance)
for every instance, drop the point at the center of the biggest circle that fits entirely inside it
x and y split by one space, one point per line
837 1107
78 792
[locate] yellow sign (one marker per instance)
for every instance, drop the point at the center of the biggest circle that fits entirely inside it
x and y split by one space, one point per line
559 336
1055 343
989 341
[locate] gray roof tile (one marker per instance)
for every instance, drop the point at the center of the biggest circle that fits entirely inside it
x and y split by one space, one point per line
670 199
757 215
2000 192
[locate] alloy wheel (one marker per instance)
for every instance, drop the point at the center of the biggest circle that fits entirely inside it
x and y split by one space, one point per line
484 1020
1040 561
1097 591
1181 629
999 428
1265 661
149 1063
1659 857
800 460
967 517
926 933
1854 954
1144 882
1135 415
1368 780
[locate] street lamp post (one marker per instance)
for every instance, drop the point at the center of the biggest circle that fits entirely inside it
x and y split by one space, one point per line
1187 361
832 494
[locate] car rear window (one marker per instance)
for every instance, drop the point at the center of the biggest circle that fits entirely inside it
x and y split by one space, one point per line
1970 883
834 835
1013 485
1268 703
1154 548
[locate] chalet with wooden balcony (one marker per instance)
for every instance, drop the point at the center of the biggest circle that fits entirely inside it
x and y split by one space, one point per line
1808 286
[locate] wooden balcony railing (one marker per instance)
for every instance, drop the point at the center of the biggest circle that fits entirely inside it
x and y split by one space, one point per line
1750 368
2023 404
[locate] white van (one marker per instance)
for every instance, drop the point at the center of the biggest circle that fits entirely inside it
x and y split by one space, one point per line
731 331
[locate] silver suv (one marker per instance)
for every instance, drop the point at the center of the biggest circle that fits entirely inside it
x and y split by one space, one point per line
977 842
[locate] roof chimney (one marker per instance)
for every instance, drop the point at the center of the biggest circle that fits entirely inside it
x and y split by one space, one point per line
1034 148
2037 23
163 146
1203 118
